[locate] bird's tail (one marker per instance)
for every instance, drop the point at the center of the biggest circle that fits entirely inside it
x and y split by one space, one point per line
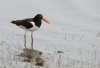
13 22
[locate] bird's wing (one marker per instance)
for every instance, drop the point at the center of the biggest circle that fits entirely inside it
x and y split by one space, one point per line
24 22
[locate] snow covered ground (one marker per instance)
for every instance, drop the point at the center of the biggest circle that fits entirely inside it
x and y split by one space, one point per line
74 29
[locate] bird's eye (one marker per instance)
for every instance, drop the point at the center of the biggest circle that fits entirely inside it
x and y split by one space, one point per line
40 16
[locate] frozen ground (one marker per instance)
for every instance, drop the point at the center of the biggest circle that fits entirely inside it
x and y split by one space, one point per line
74 29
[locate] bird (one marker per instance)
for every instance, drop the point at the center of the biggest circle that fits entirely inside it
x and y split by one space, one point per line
30 24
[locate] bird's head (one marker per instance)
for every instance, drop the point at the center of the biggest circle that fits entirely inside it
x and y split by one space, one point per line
40 17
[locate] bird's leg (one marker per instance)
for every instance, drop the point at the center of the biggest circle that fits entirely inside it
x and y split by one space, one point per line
25 39
32 40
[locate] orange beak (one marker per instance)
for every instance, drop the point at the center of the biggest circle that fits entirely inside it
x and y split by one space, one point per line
46 20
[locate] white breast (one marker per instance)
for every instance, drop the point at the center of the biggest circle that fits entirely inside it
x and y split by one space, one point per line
34 28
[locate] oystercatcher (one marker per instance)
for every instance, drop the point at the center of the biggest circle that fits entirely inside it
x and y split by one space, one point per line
30 24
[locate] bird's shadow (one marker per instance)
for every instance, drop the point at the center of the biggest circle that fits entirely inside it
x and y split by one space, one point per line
30 55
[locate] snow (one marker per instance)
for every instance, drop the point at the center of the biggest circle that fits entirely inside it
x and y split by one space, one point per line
74 29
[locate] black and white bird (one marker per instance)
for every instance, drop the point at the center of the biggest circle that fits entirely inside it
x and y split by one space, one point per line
30 24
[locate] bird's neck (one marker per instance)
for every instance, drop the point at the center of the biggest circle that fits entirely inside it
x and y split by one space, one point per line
37 22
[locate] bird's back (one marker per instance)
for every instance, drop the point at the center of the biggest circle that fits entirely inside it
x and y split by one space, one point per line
24 22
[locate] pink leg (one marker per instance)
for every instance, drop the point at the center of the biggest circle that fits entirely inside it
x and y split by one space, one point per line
25 39
32 40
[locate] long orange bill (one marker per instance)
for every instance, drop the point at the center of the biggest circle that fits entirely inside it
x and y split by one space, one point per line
46 20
